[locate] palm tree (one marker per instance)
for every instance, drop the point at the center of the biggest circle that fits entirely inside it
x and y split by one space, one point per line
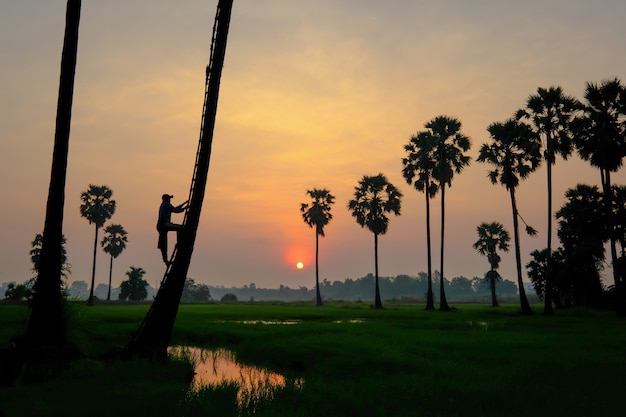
154 333
113 243
492 236
373 198
47 324
417 170
449 145
515 152
317 214
97 207
601 140
551 113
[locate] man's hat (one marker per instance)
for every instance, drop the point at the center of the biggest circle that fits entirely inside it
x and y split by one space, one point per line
166 197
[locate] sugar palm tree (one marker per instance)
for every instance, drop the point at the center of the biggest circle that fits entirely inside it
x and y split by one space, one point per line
47 324
113 243
492 236
601 140
551 113
317 213
449 145
97 207
417 170
514 153
373 198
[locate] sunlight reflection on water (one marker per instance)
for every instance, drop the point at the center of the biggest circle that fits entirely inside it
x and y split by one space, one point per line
216 367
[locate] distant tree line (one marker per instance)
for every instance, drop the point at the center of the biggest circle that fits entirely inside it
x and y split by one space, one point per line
400 288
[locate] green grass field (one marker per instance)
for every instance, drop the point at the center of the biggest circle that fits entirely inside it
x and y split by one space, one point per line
355 361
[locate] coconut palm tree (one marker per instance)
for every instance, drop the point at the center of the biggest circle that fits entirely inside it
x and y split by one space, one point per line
492 236
601 140
317 213
417 170
514 153
551 113
373 198
97 207
449 145
47 323
113 243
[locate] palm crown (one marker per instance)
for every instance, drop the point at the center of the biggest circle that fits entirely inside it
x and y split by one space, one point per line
373 197
97 206
317 213
115 239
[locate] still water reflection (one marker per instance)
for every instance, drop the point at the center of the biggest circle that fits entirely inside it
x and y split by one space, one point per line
216 367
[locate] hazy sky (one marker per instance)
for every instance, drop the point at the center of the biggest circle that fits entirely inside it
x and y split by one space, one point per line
314 94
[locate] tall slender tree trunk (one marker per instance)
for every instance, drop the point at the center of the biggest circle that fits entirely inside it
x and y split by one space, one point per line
620 291
93 268
443 303
318 299
378 304
494 296
525 305
430 302
547 309
47 324
110 275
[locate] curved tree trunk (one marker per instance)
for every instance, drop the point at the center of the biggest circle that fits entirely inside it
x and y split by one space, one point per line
318 299
378 304
443 303
430 302
47 322
525 306
154 334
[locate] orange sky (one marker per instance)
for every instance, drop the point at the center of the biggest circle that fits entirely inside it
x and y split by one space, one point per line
314 94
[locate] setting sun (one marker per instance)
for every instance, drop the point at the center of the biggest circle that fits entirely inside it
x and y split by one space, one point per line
299 265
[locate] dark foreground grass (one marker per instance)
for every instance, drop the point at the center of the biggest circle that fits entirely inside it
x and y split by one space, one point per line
401 361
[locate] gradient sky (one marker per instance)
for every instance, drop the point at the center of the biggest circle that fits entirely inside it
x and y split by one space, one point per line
314 94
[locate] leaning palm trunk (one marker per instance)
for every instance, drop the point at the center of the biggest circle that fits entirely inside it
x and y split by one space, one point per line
154 334
47 323
525 306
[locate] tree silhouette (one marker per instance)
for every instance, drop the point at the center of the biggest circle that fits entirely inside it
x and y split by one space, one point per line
492 236
317 213
97 207
515 152
418 167
583 229
47 325
113 243
551 113
449 145
35 255
601 140
373 198
134 288
154 333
